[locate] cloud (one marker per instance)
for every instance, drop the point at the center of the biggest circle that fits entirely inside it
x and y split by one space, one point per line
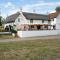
40 7
44 4
8 9
9 4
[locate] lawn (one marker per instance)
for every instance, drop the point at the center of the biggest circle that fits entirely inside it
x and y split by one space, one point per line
6 36
30 50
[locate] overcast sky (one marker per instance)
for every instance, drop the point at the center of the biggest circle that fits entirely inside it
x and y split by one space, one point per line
8 7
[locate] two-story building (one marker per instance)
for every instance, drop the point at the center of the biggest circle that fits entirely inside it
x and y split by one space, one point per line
55 17
29 21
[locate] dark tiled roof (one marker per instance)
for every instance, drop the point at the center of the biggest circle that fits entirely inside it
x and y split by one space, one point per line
12 18
34 16
29 16
52 15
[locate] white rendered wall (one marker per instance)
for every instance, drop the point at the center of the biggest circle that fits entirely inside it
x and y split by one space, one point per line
23 20
37 22
58 22
53 22
38 33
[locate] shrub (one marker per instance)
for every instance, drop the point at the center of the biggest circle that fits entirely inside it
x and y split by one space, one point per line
1 29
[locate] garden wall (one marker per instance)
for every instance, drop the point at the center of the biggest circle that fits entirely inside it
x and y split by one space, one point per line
38 33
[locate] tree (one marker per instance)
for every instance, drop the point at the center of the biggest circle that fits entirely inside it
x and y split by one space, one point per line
0 21
58 9
3 20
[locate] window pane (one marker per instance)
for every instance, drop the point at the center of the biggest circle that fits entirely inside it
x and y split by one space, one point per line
31 21
42 21
18 19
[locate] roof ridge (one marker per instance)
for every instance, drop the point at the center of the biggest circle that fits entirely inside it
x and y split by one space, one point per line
14 14
34 13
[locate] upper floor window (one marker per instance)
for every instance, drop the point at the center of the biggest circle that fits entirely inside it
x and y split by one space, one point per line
31 21
49 21
42 21
53 19
18 19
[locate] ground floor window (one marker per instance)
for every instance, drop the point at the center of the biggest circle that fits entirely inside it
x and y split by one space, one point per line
46 27
36 27
54 27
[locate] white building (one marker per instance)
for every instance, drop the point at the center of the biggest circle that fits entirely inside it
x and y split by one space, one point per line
58 22
41 24
29 21
55 17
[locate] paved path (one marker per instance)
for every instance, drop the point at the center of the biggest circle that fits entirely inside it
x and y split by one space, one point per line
32 38
1 33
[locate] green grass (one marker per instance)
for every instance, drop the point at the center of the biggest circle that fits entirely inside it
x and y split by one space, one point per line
6 36
30 50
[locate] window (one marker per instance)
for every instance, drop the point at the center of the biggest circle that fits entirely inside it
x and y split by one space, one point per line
31 21
42 21
18 19
45 26
53 19
49 21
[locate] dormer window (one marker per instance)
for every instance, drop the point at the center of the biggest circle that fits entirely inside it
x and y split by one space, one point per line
31 20
18 19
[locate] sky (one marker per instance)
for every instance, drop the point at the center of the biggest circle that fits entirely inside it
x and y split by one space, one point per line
8 7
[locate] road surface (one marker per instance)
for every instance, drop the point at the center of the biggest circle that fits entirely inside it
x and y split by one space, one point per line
32 38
